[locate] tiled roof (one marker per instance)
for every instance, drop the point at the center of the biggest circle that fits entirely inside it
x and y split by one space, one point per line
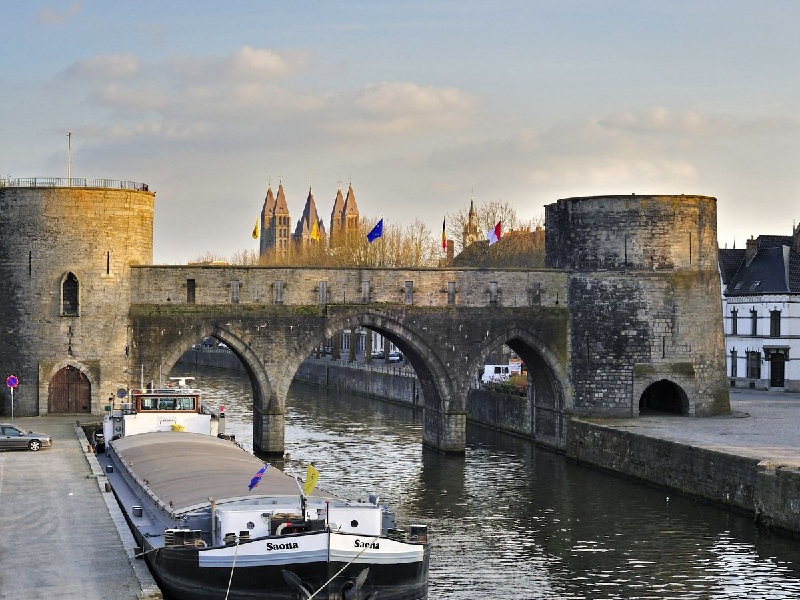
773 270
774 241
515 249
730 261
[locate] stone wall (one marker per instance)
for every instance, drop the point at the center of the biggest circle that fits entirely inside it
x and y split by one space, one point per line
220 285
94 233
770 492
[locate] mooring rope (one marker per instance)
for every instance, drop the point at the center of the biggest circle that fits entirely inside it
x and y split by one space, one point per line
324 585
233 566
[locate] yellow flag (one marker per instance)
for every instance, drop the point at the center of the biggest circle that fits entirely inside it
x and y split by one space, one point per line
255 230
312 476
315 232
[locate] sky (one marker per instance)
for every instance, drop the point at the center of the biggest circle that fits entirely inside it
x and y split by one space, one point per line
421 106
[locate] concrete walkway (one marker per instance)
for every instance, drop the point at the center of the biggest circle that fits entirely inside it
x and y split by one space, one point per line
763 425
62 535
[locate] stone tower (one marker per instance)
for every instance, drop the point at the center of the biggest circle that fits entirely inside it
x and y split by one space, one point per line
344 217
644 295
65 257
275 223
309 226
471 232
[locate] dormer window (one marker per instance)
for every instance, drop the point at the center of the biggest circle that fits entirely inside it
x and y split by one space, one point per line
754 285
738 286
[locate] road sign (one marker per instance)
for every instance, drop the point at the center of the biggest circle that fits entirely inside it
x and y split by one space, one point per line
12 381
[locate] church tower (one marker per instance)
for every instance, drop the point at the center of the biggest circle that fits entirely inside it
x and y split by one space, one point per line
344 217
309 227
275 223
336 229
471 232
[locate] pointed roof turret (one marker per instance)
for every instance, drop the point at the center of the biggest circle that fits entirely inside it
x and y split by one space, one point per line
350 206
269 203
337 212
280 206
308 218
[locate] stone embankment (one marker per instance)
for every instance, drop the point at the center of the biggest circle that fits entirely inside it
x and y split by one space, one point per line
748 461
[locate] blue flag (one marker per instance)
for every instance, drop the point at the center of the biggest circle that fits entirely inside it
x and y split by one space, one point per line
257 479
376 232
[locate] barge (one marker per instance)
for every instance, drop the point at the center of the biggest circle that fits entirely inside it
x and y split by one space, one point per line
213 521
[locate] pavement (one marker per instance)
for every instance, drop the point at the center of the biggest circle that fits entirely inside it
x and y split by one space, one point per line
61 534
764 425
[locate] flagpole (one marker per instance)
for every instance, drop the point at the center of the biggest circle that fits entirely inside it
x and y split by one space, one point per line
383 253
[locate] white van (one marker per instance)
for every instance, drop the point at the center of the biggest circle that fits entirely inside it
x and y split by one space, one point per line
495 373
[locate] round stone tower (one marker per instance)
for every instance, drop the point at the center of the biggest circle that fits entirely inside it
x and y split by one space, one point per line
65 255
644 295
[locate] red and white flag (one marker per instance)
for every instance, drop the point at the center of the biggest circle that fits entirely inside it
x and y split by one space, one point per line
494 234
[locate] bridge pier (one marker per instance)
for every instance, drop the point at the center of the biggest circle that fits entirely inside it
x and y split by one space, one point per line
268 431
443 431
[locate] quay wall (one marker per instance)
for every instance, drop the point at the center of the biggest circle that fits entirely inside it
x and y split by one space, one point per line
769 491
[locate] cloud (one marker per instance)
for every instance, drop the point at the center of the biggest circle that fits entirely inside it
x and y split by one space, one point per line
239 97
401 108
51 17
694 123
103 68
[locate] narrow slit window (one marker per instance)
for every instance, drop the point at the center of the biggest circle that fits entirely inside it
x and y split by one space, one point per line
69 296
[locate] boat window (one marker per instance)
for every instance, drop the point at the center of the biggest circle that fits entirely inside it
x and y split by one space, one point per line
149 403
168 403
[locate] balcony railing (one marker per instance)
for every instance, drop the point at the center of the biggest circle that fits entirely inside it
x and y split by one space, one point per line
76 182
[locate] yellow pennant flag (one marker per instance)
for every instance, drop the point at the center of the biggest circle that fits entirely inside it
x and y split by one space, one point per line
255 230
315 232
312 476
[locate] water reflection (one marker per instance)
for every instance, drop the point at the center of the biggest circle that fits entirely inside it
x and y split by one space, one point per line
512 521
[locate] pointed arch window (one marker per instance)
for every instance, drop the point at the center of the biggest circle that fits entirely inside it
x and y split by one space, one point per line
70 295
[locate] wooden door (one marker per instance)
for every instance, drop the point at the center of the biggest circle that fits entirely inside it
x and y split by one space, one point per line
70 392
777 370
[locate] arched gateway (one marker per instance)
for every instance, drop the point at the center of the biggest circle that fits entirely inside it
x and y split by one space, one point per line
69 392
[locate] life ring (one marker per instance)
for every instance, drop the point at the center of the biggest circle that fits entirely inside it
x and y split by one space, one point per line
281 527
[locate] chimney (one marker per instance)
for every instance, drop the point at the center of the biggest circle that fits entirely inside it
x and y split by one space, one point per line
750 252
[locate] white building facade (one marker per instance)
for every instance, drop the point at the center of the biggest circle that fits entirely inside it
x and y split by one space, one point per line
761 309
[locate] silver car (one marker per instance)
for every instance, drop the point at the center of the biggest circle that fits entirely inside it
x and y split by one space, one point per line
12 437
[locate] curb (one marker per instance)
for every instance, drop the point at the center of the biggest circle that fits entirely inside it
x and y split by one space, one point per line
149 589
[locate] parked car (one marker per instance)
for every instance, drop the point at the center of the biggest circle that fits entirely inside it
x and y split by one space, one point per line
12 437
395 357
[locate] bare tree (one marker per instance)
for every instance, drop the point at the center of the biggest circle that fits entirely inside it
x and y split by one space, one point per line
487 215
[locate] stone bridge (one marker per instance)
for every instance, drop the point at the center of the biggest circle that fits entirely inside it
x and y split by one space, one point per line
445 322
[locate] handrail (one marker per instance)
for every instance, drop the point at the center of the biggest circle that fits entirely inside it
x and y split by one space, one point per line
77 182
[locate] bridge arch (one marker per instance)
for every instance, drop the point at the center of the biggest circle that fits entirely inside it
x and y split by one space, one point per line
547 380
253 365
442 402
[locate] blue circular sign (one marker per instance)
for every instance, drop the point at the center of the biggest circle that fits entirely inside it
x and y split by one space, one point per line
12 381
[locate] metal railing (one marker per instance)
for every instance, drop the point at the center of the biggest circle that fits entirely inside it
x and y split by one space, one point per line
77 182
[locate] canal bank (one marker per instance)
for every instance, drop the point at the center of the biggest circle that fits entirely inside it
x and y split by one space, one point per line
64 535
748 460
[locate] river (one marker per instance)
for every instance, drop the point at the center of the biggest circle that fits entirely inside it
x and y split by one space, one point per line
509 520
